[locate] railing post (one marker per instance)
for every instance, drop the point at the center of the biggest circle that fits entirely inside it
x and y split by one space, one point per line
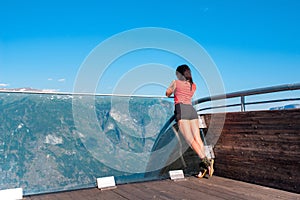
243 104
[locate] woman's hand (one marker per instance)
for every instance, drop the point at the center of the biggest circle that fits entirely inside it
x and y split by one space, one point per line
171 89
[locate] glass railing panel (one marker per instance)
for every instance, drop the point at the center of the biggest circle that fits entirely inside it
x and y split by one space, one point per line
55 142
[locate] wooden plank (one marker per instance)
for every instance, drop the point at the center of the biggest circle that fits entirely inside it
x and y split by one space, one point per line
176 191
137 191
244 190
86 194
207 186
210 189
266 142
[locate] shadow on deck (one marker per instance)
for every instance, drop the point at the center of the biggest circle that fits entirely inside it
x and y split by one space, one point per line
192 188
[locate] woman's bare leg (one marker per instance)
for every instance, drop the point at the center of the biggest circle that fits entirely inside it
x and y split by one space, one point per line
187 132
196 133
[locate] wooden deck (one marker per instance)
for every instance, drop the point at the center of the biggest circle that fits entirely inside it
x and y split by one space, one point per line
192 188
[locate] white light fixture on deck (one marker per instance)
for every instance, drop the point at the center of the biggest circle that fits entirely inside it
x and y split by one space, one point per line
176 175
106 183
11 194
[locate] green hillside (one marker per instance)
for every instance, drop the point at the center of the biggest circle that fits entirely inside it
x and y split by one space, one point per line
43 149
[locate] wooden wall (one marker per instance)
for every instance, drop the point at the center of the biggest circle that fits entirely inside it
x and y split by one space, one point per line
261 147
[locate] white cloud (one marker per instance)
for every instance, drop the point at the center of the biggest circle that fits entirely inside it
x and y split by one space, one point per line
4 84
58 80
61 80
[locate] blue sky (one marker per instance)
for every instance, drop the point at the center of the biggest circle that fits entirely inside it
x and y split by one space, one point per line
253 43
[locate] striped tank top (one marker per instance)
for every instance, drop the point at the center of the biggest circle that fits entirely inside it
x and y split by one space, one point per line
183 92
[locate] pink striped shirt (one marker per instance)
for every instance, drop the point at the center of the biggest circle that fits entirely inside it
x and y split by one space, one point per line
183 92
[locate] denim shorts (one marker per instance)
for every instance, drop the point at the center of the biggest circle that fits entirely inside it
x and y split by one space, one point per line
185 111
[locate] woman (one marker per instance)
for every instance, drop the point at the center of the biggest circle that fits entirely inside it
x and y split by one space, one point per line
186 116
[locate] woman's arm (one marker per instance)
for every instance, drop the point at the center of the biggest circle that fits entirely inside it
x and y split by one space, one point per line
171 89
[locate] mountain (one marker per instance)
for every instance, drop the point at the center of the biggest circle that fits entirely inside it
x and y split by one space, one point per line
27 89
53 142
285 107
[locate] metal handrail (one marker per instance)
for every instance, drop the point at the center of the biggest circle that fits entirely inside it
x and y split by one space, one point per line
265 90
243 94
249 103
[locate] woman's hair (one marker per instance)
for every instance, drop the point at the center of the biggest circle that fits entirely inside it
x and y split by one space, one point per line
186 72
